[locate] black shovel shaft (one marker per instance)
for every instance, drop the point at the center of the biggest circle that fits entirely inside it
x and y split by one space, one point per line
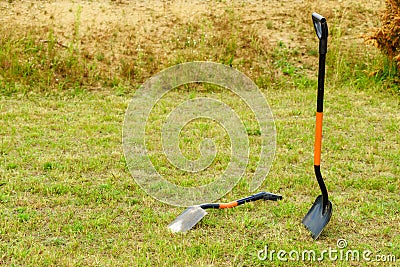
322 186
321 83
321 29
258 196
318 129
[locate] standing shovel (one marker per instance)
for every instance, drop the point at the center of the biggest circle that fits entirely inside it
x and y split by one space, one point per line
192 215
321 211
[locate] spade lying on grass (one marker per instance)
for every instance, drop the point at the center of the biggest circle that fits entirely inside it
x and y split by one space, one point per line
192 215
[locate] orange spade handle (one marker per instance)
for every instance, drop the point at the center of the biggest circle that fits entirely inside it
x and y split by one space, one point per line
318 139
228 205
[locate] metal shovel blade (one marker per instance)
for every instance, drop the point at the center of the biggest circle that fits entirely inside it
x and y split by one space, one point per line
187 219
318 217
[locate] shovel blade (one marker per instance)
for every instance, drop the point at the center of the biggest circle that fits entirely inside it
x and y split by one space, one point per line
317 218
187 219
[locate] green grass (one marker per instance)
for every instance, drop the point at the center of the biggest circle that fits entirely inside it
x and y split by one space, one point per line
67 197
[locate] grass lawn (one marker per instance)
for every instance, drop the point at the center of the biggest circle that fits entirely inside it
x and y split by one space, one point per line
67 197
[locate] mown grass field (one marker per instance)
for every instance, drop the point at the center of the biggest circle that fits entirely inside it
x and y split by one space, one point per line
68 71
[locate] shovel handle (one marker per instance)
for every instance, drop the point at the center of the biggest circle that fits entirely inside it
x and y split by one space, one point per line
321 29
258 196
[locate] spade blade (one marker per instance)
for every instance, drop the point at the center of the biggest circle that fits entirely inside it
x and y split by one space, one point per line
316 218
187 219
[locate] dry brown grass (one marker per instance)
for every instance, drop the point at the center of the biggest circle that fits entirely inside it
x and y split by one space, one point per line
387 37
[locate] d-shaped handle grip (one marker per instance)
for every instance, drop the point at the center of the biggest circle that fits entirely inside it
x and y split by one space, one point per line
321 29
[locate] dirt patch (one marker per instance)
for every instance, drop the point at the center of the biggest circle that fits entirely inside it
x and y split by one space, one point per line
155 20
142 37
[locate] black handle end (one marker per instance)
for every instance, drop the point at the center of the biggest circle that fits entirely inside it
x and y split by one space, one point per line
318 17
273 197
321 29
261 195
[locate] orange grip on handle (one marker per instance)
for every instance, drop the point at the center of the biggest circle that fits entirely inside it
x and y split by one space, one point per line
318 139
228 205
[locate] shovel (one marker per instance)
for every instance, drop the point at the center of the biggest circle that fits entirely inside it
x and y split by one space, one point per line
192 215
321 211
